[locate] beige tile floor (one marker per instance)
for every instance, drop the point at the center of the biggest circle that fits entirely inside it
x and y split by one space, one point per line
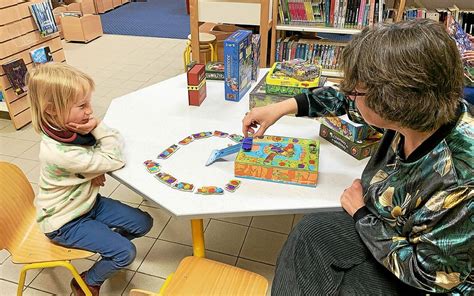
120 65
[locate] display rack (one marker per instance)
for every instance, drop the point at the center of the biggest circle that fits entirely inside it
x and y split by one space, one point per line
18 36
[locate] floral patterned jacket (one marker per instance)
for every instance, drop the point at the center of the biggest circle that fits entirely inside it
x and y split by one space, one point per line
419 215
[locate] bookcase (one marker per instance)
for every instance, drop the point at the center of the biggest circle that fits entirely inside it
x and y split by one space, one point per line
327 16
18 36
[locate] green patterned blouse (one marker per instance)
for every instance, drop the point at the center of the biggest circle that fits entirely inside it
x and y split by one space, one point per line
419 214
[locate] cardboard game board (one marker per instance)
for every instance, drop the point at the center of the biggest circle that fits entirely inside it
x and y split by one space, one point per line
280 159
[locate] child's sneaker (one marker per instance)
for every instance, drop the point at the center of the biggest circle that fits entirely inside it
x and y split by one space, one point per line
77 291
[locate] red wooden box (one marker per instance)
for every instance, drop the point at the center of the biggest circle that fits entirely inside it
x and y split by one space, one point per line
196 84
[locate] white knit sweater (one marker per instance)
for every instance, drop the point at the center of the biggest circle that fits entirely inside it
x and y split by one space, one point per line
65 187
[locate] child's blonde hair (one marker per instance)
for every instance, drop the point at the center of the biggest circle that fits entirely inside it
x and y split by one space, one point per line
52 89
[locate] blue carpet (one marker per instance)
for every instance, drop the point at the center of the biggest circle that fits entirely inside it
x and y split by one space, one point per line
155 18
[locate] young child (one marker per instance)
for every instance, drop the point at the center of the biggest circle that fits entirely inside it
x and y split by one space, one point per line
76 151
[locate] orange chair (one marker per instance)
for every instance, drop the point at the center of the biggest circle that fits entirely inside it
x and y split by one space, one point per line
20 234
203 277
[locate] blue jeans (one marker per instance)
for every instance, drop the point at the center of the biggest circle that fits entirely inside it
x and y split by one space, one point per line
106 229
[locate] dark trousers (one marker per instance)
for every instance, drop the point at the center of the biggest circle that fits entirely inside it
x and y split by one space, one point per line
324 255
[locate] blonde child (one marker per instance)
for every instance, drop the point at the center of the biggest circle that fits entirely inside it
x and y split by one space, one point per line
76 151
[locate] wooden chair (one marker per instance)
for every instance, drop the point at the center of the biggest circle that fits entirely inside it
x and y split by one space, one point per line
203 277
20 234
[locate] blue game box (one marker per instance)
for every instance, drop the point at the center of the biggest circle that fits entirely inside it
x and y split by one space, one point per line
237 64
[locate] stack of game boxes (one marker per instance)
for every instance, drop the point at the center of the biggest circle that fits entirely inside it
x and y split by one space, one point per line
285 80
358 140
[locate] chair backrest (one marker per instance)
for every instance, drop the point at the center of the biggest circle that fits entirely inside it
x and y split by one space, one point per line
16 206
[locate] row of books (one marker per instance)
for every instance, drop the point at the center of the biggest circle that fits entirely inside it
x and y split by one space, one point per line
465 18
325 53
16 70
333 13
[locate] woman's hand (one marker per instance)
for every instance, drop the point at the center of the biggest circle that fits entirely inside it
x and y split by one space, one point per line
468 56
352 198
98 181
84 128
263 117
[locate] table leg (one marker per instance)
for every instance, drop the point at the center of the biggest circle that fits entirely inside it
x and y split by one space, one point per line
198 237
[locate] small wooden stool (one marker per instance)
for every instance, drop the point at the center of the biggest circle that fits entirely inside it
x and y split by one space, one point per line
207 44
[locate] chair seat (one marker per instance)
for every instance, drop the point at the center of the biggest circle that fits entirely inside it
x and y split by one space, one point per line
199 276
35 247
204 38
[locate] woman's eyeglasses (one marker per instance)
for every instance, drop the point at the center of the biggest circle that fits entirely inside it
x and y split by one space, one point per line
354 94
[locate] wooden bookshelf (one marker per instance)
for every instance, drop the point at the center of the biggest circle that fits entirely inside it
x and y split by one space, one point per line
279 29
18 36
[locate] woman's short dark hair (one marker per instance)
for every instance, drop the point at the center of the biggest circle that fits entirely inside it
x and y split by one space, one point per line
411 70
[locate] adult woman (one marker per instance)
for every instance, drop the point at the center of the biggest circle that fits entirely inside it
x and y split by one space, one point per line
413 206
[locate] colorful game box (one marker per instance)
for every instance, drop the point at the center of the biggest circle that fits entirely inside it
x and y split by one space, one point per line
280 83
255 56
259 97
355 132
196 85
280 159
215 71
356 150
237 64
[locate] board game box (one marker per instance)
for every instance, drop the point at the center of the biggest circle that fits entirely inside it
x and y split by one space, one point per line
196 85
355 132
278 80
356 150
215 71
280 159
255 56
237 64
258 96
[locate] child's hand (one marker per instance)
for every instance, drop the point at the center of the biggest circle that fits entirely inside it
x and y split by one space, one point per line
85 128
98 181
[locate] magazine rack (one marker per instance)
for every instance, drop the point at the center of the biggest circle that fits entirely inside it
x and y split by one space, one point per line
19 35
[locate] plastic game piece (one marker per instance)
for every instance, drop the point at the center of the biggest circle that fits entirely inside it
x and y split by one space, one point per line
236 138
188 187
167 153
219 153
152 166
186 140
166 178
220 134
210 190
247 144
202 135
232 185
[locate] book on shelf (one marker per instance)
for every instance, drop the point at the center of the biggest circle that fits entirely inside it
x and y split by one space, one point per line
43 15
332 13
2 95
463 44
16 72
41 55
